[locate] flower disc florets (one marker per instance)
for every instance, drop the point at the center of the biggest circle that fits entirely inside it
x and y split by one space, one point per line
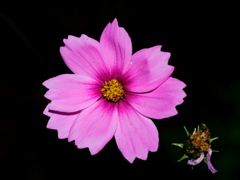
198 142
112 90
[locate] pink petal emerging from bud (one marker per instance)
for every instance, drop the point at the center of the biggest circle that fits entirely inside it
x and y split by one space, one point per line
197 161
210 166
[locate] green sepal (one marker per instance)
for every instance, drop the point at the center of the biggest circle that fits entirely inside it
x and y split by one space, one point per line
178 144
215 151
205 160
212 139
184 157
188 134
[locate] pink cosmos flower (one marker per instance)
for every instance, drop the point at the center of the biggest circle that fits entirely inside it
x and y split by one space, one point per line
112 93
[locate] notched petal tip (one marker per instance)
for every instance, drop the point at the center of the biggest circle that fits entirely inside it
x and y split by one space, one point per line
46 111
94 151
130 159
70 37
115 21
45 83
136 135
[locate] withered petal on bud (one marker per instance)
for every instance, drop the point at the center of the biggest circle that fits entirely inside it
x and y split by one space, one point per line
197 147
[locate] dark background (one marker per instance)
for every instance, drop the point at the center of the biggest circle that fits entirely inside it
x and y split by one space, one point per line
201 40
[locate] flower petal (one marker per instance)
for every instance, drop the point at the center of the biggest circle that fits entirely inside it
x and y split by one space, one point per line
118 46
136 134
95 126
196 161
209 164
161 102
46 111
147 70
71 92
60 122
85 56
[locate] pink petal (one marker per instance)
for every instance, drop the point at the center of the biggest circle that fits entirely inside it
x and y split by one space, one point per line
95 126
161 102
71 92
46 111
147 70
85 56
209 164
196 161
118 46
136 134
60 122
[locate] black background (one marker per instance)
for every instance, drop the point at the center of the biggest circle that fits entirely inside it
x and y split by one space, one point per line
201 39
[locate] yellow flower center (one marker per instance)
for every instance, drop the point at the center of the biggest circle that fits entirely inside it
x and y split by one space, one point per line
112 90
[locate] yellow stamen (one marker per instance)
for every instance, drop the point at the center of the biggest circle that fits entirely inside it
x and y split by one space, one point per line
112 90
